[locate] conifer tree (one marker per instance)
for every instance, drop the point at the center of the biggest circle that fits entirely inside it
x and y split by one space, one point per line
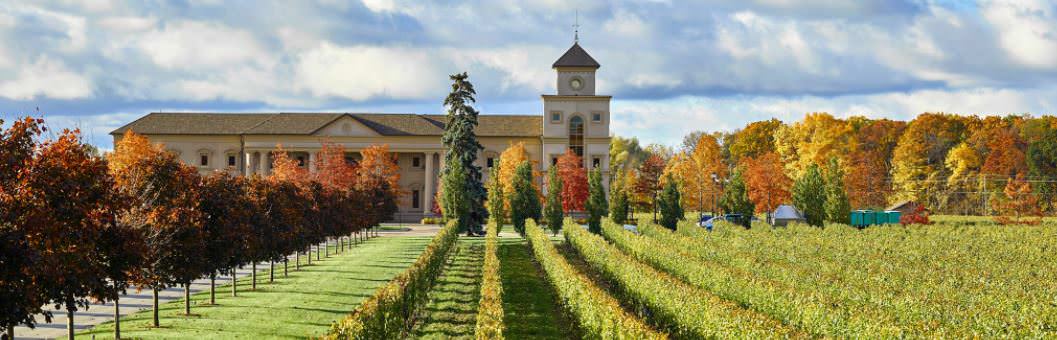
462 144
496 199
553 210
524 201
838 208
735 198
809 195
596 202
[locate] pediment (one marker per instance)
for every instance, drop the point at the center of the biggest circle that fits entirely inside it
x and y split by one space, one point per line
346 126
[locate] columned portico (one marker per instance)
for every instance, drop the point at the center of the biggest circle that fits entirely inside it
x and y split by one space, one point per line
427 206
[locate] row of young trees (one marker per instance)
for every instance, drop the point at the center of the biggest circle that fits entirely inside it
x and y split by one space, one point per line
950 163
79 227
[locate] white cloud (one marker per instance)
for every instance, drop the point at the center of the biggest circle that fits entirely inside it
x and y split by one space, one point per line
46 77
380 5
1028 30
128 24
366 72
627 24
192 45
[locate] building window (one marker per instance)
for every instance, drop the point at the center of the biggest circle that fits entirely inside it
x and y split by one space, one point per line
416 162
415 199
490 162
596 117
301 161
596 162
576 135
556 117
554 160
232 161
203 160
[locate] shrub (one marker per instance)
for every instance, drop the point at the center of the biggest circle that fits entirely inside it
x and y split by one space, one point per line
490 308
388 314
600 315
430 220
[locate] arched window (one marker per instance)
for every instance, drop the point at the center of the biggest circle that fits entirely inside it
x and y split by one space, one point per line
576 135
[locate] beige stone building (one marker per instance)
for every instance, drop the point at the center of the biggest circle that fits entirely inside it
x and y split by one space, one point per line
574 118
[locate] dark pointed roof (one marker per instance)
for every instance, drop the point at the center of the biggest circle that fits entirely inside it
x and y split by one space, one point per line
576 57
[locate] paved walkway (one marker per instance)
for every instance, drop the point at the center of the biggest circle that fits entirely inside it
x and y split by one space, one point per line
135 301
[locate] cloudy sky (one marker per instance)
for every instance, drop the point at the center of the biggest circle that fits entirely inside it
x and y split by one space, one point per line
672 66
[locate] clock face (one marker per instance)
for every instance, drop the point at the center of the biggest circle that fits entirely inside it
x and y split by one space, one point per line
576 84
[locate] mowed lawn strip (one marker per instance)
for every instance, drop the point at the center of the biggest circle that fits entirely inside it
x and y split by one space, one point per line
452 309
299 306
530 305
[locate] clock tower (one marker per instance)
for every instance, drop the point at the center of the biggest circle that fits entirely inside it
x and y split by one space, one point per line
576 118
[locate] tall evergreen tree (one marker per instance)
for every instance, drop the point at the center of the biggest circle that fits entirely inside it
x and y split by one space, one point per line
838 208
596 202
455 197
809 195
553 210
525 200
462 144
670 204
496 199
618 211
735 198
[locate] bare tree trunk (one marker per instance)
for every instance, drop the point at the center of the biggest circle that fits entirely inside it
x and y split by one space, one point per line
297 260
286 267
234 282
156 323
309 253
318 254
326 248
213 288
69 322
187 298
11 332
254 275
271 271
117 318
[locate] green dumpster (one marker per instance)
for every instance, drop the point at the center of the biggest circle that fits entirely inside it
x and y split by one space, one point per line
868 218
856 218
893 216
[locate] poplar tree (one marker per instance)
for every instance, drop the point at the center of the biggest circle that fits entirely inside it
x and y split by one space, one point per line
524 201
455 198
496 200
462 144
838 208
618 211
553 210
809 195
596 202
736 200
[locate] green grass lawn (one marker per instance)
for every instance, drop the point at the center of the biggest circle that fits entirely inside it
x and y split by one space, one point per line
302 305
452 310
530 305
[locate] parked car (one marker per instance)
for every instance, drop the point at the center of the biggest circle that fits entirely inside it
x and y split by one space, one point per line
738 219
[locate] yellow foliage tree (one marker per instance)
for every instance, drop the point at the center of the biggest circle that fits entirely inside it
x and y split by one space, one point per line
813 140
694 169
509 160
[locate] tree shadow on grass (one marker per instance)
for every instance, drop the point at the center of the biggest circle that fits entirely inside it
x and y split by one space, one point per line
452 310
530 306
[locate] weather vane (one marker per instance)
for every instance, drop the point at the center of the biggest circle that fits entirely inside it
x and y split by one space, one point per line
576 28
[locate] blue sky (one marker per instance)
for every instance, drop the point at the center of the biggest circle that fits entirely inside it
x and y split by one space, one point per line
672 66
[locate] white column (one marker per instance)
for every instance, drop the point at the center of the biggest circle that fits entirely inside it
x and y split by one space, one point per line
428 190
258 167
311 162
248 164
266 162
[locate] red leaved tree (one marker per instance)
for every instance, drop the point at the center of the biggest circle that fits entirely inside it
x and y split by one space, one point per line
574 181
647 182
1017 205
767 183
226 214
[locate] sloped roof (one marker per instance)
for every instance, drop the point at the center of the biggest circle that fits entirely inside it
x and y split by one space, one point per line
787 212
576 57
386 124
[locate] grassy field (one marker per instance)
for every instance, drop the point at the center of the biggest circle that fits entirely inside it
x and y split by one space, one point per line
302 305
530 305
452 310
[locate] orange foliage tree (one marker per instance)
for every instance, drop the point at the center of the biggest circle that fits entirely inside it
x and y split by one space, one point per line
287 169
1017 205
509 160
574 181
767 183
647 182
20 286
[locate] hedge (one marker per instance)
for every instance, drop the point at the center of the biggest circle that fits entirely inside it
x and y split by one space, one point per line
388 314
490 309
600 316
685 310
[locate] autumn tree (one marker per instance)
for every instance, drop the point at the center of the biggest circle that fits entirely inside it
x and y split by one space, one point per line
20 291
596 201
552 211
809 195
838 209
647 182
698 170
814 140
1017 205
766 182
509 160
1041 157
574 181
463 147
755 140
869 165
379 175
226 214
918 160
671 204
524 201
618 210
164 209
